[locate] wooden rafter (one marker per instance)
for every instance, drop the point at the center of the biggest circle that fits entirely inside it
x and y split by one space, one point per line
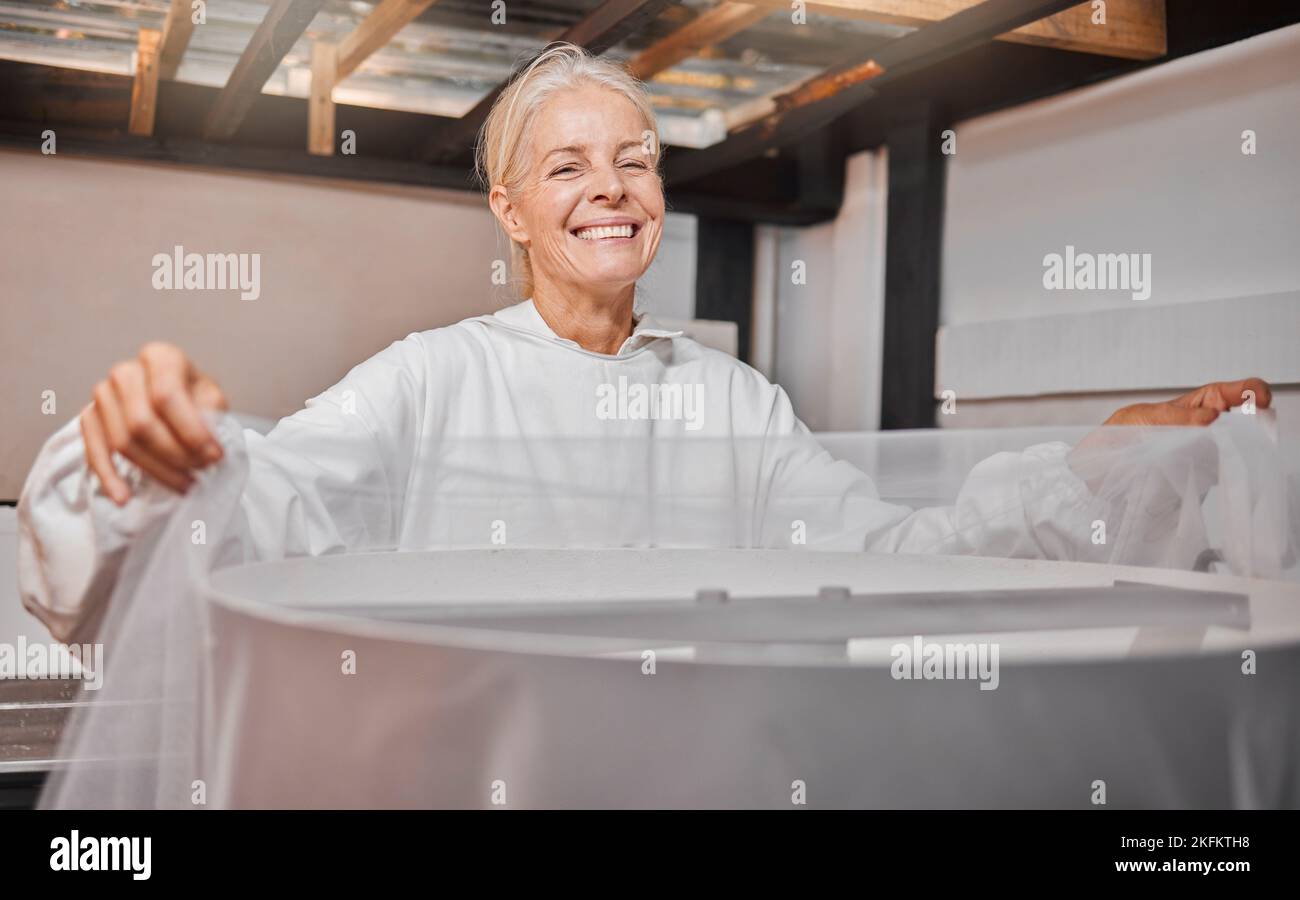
144 89
602 28
711 27
1133 29
176 33
378 28
823 87
320 111
612 21
285 22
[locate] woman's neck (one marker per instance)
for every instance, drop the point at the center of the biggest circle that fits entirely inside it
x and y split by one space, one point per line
596 323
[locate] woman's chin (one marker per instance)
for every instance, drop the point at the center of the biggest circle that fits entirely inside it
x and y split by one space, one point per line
611 280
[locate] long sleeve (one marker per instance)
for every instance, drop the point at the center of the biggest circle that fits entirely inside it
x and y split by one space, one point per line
329 478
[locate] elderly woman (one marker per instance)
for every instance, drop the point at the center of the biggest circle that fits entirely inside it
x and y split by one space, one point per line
563 420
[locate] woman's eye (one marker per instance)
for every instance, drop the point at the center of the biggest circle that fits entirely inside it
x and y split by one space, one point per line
572 167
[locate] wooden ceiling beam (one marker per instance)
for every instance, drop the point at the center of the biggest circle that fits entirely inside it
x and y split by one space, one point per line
320 105
376 30
285 22
709 28
1132 29
144 88
178 28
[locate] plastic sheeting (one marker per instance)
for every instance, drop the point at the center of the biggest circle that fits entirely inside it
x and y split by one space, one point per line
518 677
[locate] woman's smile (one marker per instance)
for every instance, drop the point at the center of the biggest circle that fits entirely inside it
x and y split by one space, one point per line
608 232
615 233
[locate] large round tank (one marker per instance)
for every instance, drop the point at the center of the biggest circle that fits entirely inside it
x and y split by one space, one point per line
680 678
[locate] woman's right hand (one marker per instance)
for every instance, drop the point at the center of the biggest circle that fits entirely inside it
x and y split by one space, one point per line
148 410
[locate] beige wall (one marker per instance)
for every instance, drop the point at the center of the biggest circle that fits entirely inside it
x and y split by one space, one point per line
345 270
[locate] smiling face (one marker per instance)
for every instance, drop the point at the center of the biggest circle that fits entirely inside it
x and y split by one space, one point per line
590 209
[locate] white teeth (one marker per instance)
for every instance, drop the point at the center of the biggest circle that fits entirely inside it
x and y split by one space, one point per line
604 231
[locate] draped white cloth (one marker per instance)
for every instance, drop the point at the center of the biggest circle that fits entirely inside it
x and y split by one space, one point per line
497 433
495 425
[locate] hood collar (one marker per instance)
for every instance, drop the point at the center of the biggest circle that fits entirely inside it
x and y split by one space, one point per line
525 315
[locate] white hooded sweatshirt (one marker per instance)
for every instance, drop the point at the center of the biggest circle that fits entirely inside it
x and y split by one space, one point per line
497 432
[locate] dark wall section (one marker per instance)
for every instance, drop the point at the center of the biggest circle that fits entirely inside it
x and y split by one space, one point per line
913 253
724 274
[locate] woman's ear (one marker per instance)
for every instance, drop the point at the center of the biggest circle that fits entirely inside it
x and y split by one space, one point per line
507 214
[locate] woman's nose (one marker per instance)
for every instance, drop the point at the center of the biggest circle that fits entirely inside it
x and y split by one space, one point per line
606 185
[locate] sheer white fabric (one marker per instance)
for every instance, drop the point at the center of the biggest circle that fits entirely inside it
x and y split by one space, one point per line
174 705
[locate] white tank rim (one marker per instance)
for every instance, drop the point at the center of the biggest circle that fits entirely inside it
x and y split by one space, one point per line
1279 601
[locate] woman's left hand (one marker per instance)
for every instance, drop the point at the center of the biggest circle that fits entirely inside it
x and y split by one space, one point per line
1199 407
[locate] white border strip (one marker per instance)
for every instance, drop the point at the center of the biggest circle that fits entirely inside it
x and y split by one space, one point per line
1133 349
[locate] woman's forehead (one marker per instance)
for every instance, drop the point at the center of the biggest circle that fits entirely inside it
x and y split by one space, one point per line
592 117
